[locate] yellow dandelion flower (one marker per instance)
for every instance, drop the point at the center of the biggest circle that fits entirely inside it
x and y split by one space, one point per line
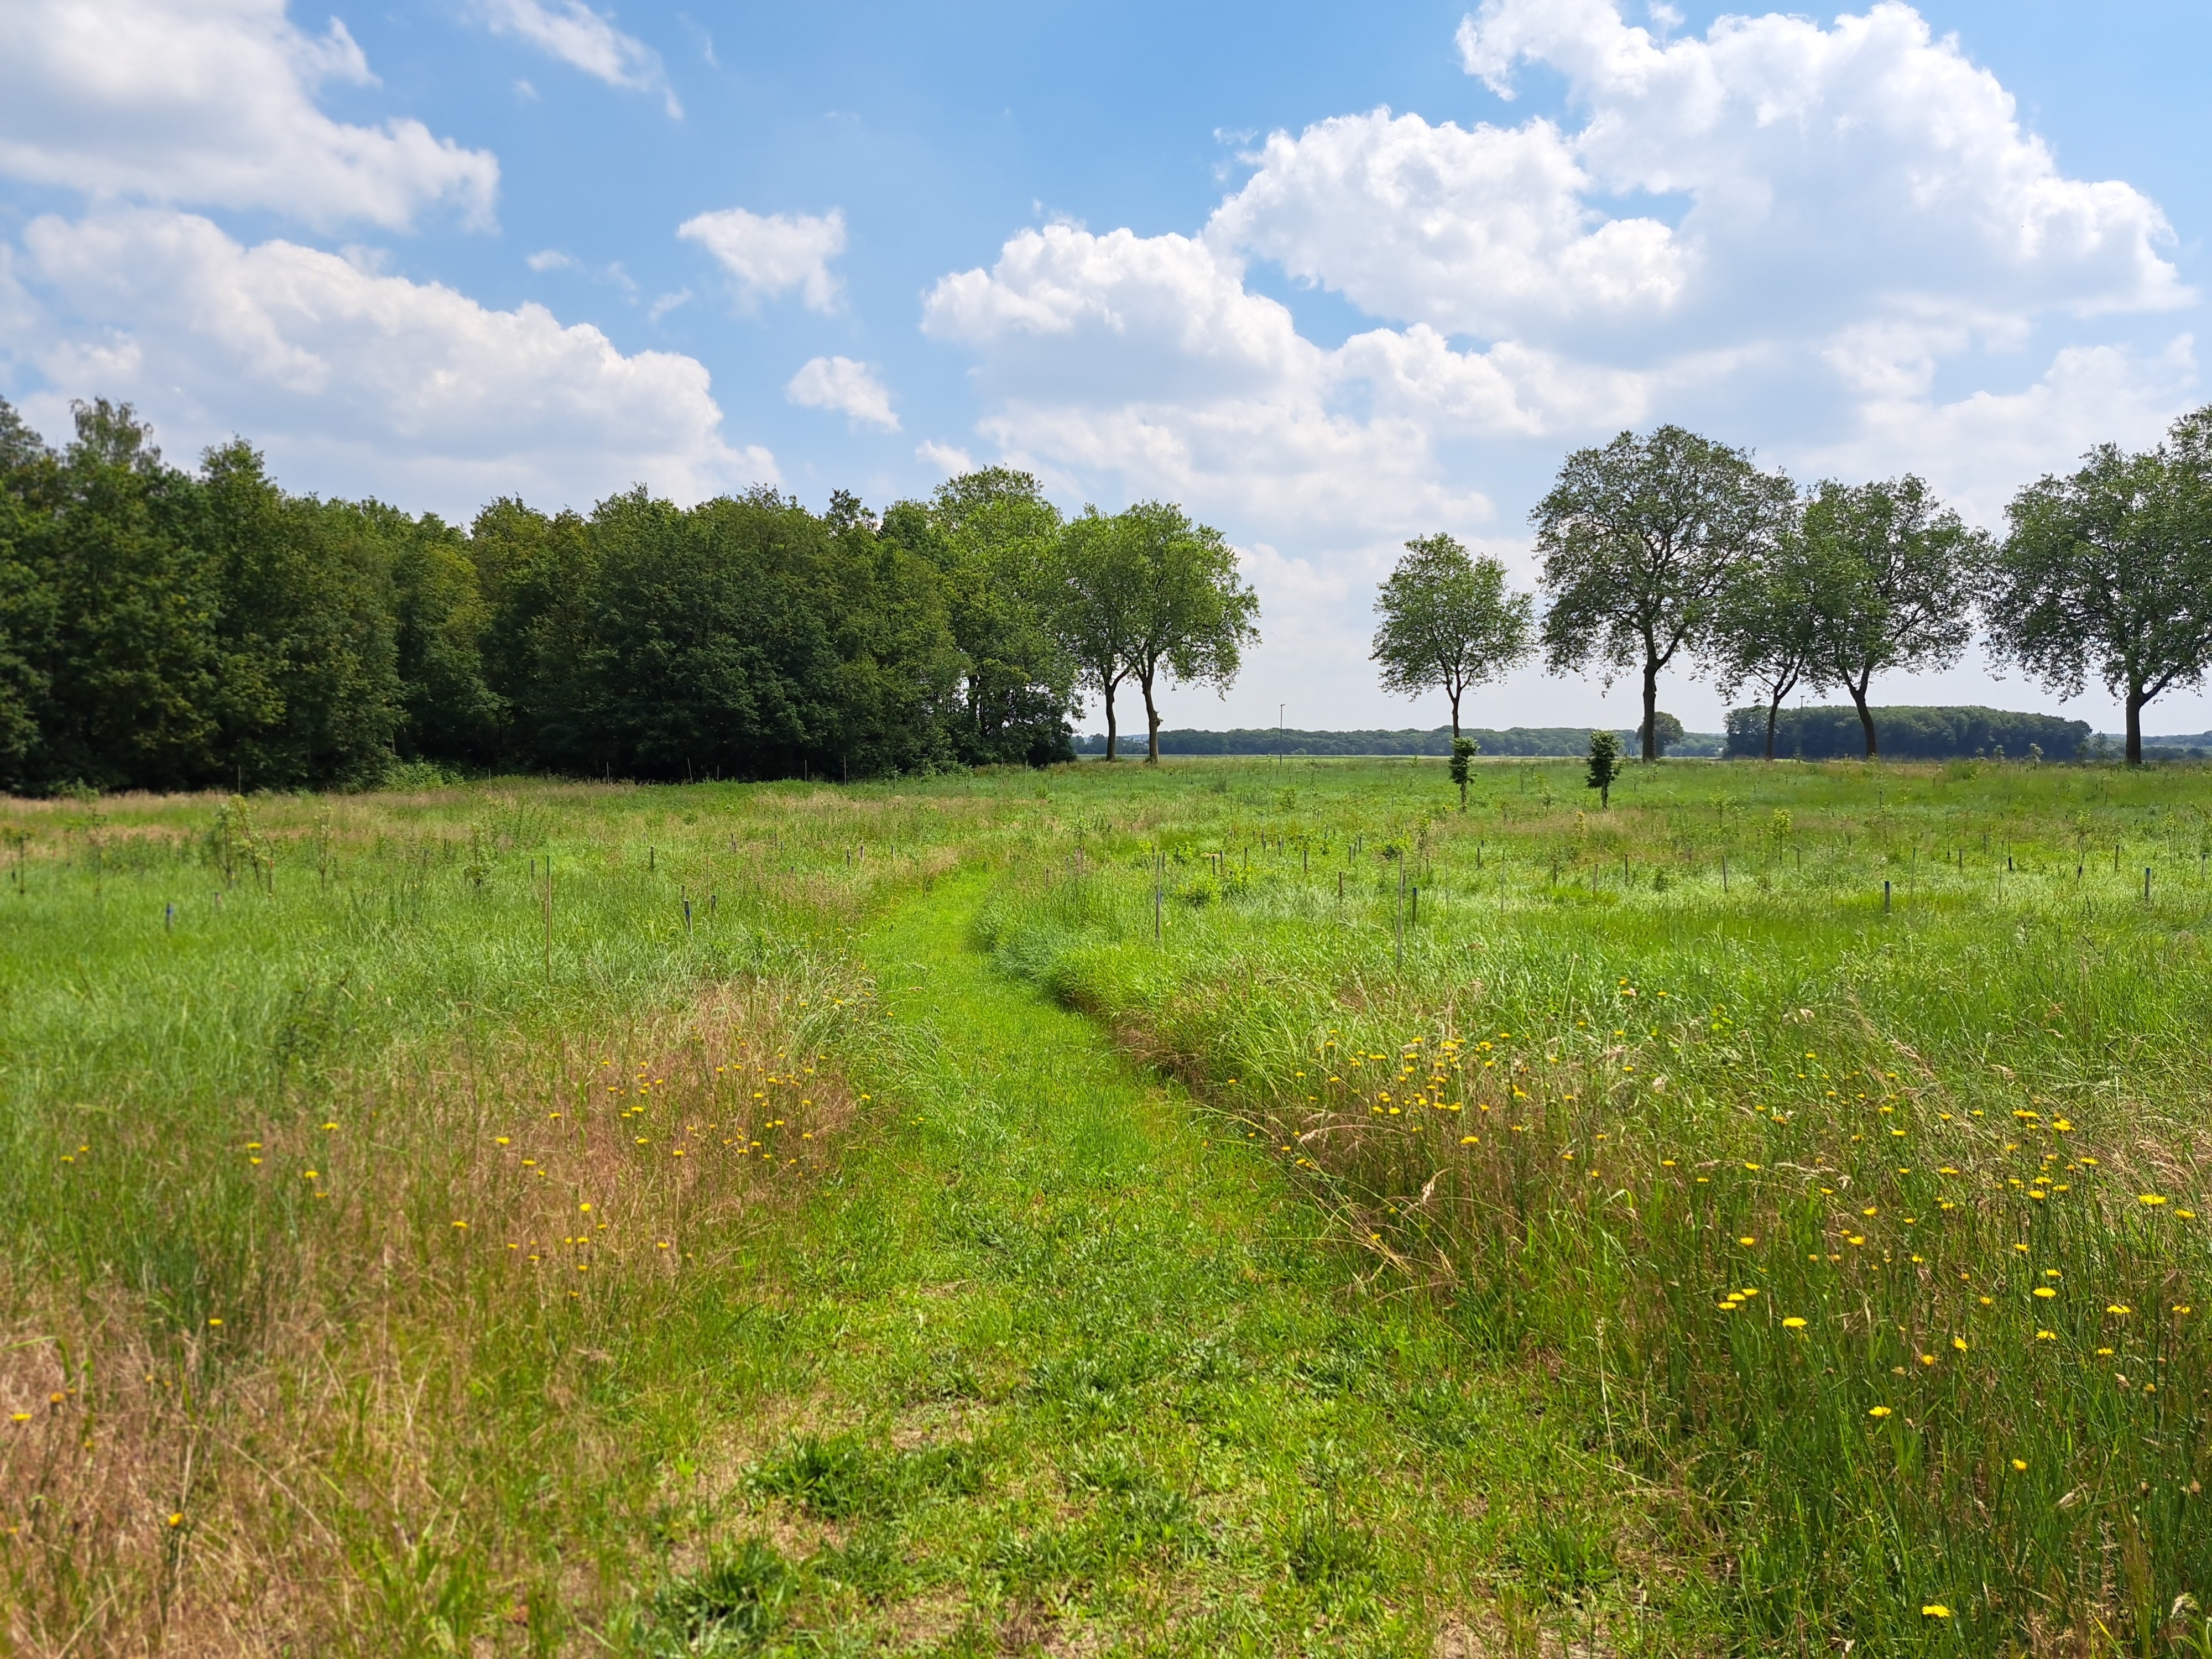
1878 1411
2044 1291
1793 1324
2046 1336
1935 1610
2020 1464
2148 1198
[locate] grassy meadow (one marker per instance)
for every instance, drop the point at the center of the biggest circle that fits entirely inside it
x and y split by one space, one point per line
1231 1206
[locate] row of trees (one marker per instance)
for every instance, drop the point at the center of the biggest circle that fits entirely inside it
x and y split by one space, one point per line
1671 546
164 628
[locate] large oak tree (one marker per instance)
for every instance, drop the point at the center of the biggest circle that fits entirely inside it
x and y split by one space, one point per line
2109 571
1894 574
1640 539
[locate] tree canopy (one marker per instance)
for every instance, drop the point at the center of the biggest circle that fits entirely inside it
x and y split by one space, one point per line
164 628
1449 622
1893 576
1639 539
2108 572
1151 597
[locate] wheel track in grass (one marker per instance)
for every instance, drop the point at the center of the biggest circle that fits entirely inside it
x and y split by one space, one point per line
1180 1430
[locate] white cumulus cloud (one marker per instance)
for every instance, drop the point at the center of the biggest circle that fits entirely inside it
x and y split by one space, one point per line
1476 232
352 379
584 40
1147 364
211 102
769 255
1834 242
845 387
1864 163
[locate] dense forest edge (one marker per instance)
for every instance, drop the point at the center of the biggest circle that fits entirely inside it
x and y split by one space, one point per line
171 629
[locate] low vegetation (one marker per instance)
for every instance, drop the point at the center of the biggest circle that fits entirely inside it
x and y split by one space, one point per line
1763 1215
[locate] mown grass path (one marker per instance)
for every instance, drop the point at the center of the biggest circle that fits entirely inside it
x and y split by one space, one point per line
1081 1384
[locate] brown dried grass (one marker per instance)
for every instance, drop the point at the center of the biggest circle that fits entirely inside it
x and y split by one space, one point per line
335 1469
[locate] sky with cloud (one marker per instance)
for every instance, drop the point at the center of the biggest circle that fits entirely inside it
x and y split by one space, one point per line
1331 276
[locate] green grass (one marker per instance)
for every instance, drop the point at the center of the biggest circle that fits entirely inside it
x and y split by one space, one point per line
1071 1288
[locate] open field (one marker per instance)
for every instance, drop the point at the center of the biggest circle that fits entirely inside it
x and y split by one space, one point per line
1226 1207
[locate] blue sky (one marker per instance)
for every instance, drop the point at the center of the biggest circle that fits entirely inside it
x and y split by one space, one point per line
439 253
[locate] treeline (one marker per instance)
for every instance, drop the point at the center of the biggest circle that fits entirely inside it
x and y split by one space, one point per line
163 628
1524 740
1671 551
1908 734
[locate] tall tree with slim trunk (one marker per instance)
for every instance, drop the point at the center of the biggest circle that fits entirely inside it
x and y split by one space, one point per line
1893 572
1191 613
1640 540
1447 622
2109 571
1095 613
1766 628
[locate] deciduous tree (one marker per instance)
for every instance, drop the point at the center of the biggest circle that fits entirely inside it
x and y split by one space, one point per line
1894 572
1449 622
1151 598
1639 539
1766 627
1604 766
2109 571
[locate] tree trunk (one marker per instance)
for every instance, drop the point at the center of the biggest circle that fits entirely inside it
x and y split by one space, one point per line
2136 701
1866 720
1651 709
1773 714
1454 697
1111 730
1152 725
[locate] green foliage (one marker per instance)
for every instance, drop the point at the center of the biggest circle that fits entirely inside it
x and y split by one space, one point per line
1895 572
1447 622
1463 751
1150 597
1766 625
1604 766
161 629
1907 733
995 540
2108 572
1641 540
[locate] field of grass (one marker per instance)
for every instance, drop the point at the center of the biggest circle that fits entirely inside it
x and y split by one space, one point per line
1226 1207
